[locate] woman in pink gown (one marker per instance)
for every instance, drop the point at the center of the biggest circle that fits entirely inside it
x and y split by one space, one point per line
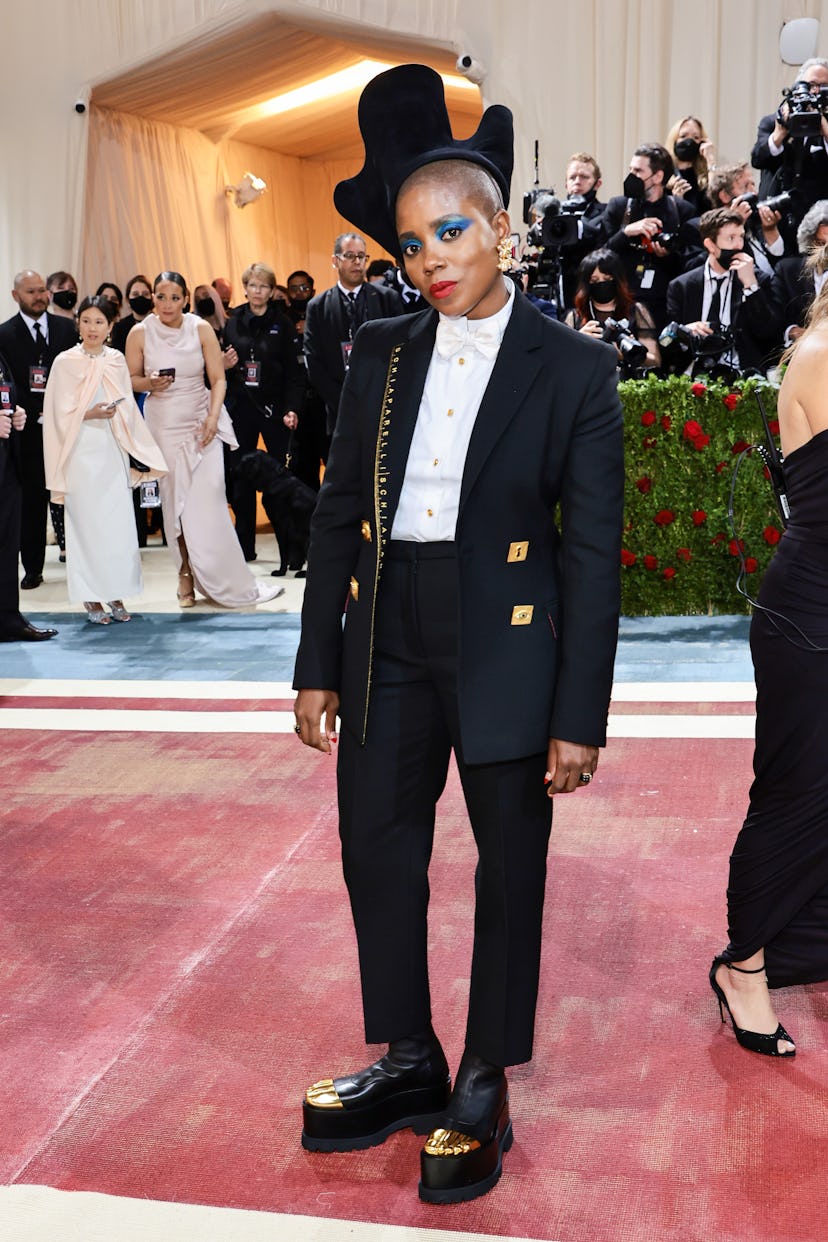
167 354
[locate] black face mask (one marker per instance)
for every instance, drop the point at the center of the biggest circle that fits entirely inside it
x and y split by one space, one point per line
687 149
602 292
141 305
726 257
204 307
634 187
66 299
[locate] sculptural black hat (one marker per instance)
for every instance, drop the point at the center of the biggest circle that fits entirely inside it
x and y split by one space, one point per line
404 125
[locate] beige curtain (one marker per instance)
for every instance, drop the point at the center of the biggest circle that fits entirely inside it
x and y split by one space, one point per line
156 200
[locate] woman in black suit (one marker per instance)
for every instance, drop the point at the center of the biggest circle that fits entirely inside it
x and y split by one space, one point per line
473 624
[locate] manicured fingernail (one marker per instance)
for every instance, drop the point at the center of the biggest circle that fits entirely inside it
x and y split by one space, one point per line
547 778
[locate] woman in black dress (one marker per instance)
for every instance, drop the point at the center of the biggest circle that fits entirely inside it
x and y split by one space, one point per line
778 891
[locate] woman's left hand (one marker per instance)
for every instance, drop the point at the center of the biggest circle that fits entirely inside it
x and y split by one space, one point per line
707 150
208 431
18 418
566 763
290 420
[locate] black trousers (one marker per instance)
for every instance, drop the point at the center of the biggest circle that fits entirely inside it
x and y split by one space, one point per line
9 538
388 790
248 423
35 502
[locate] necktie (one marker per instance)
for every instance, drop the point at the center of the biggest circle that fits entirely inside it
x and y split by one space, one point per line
40 339
714 315
351 312
454 335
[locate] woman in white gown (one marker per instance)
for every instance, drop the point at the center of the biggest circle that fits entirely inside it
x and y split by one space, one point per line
167 355
91 427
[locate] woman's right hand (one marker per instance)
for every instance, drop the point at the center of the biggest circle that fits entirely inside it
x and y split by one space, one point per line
5 426
159 383
101 410
593 328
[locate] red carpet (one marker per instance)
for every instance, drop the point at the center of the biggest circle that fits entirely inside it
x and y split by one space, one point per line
177 965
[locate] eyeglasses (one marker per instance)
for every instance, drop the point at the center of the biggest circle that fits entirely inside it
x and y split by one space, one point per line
350 257
252 288
299 288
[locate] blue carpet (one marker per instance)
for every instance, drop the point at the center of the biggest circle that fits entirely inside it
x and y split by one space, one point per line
249 647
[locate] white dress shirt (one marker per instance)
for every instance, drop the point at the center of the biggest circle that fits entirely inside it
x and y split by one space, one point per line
30 324
454 388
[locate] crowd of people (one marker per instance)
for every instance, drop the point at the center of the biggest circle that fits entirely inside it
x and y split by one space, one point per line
688 268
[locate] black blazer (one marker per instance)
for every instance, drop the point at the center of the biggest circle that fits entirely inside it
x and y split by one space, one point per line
18 347
326 327
537 634
9 449
779 172
752 318
269 340
792 292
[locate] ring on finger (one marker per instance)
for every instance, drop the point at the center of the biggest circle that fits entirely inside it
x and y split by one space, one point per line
584 778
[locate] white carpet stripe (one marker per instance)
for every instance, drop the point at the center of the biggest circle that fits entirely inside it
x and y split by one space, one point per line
41 1214
114 720
622 691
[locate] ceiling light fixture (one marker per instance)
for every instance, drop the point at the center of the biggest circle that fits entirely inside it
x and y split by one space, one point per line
355 77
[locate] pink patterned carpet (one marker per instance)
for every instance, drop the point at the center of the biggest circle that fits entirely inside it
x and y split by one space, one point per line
177 964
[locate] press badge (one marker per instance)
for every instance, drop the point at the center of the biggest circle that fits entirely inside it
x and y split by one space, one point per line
647 279
347 346
150 495
5 397
252 374
37 378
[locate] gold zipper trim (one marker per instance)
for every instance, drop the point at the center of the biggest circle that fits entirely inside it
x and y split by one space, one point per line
380 507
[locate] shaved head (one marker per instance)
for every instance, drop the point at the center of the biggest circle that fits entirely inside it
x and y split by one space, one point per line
30 293
26 275
470 180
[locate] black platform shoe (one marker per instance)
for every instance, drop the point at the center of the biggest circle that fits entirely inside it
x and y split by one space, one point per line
409 1086
464 1157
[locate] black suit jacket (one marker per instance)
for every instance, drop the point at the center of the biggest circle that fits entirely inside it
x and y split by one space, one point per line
326 327
676 217
751 318
803 163
18 347
537 635
791 293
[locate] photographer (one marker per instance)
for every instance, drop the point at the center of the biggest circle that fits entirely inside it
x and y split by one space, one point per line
583 178
561 232
604 304
770 232
724 304
653 232
794 282
791 146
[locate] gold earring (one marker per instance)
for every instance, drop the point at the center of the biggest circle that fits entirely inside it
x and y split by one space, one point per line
504 255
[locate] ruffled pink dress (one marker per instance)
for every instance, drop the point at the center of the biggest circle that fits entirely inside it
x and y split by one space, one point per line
193 498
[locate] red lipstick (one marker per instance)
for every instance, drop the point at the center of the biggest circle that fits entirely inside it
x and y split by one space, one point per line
442 288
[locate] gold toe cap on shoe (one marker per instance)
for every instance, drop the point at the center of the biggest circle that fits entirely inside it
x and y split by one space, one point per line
323 1094
449 1143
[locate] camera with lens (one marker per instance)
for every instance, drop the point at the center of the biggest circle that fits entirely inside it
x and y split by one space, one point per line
667 241
553 222
805 110
619 333
678 345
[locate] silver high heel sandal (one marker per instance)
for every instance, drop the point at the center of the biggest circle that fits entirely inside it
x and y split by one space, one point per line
98 616
119 613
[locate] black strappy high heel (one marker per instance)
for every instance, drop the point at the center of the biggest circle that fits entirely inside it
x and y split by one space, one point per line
754 1041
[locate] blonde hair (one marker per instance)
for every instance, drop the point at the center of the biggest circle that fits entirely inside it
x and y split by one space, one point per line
699 163
262 271
816 264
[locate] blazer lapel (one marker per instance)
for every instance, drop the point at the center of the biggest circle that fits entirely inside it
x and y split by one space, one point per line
518 362
407 369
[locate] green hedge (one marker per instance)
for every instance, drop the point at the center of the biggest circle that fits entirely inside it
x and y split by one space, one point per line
682 440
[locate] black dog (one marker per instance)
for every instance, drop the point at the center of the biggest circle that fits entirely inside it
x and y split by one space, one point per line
287 501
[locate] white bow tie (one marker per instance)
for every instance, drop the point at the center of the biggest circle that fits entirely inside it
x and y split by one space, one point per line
454 335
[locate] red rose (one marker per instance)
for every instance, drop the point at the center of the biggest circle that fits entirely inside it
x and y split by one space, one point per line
699 517
717 538
773 423
720 467
684 554
751 565
691 429
698 390
648 418
650 562
664 517
628 558
649 442
644 484
731 400
669 572
740 446
700 442
735 548
771 535
666 422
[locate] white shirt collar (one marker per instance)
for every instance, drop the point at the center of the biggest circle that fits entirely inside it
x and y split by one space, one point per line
500 318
